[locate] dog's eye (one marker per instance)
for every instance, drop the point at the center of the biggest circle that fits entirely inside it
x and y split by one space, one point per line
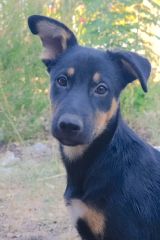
101 89
62 81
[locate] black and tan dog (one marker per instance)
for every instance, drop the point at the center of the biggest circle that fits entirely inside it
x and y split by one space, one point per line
113 177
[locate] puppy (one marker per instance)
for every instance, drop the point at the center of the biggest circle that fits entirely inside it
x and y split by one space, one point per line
113 177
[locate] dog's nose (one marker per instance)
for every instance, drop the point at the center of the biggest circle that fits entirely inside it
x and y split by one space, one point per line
69 123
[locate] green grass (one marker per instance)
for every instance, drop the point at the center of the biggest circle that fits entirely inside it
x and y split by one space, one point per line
23 91
142 111
23 80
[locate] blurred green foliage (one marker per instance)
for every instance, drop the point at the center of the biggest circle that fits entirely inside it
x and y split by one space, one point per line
129 24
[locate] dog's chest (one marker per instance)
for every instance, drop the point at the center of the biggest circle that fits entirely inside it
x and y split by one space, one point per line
93 218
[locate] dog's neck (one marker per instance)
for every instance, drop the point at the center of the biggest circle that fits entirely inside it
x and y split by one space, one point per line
77 169
107 151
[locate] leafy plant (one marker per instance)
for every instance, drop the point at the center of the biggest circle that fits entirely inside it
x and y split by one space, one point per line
104 24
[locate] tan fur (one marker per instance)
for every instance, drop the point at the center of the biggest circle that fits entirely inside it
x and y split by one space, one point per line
103 118
94 219
48 32
48 53
97 77
70 71
74 152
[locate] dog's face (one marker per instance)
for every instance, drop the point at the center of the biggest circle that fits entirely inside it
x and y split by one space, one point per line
85 83
84 95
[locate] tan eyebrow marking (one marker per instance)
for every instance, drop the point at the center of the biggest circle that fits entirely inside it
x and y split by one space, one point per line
97 77
70 71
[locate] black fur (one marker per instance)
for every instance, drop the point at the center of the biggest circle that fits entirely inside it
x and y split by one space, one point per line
118 174
123 179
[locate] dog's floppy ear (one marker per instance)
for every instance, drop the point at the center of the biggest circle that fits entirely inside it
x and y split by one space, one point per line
133 67
55 36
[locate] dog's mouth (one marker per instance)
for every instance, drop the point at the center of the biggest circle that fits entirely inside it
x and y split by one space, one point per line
70 140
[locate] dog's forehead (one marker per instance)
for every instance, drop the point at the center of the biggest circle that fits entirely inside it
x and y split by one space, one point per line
87 61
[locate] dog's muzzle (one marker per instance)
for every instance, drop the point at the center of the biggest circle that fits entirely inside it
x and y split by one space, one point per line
68 129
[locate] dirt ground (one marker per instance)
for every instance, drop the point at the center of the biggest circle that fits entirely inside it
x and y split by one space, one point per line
31 196
32 182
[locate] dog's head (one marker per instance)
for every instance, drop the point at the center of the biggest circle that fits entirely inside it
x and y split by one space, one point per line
85 82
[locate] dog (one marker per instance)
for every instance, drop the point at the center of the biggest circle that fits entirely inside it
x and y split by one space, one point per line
113 176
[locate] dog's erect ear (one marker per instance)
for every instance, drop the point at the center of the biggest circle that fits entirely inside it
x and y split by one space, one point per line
55 36
133 67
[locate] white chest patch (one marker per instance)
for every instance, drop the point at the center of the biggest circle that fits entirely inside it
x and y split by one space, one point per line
94 219
76 210
74 152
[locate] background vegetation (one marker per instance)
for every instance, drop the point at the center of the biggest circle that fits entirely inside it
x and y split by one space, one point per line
129 24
